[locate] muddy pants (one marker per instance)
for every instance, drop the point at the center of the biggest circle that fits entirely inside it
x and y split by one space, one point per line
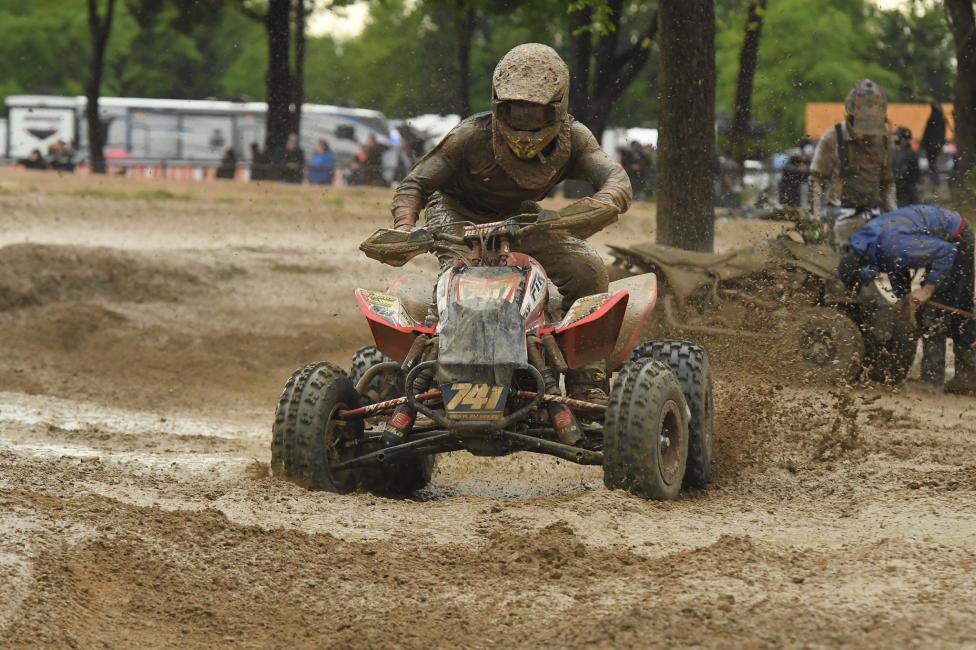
574 266
955 290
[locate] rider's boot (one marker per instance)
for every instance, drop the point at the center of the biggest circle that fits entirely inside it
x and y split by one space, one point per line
588 384
964 383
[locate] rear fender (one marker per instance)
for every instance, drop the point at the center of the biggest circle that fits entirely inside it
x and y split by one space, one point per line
393 329
642 293
590 328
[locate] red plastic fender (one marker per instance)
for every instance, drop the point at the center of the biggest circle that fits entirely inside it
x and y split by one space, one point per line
393 330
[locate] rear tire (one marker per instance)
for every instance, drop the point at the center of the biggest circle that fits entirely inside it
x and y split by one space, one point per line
889 361
379 388
307 437
689 362
401 478
824 345
646 432
405 476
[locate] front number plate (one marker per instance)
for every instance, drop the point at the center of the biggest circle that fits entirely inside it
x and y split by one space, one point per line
466 401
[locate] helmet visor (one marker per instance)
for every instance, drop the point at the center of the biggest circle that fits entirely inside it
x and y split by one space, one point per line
526 116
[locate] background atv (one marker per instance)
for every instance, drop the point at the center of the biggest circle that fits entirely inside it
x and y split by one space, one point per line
480 372
782 294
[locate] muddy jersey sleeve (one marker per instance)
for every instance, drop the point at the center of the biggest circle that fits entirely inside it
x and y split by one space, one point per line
591 163
889 200
825 162
429 174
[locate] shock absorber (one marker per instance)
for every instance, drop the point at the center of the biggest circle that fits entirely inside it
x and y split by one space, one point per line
560 416
401 421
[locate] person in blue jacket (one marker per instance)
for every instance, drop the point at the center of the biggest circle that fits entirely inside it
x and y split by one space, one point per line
938 242
321 167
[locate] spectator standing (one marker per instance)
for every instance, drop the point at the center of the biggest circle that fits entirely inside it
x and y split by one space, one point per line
372 158
61 158
637 165
294 161
728 181
406 159
321 167
34 161
904 167
259 163
228 164
796 175
933 140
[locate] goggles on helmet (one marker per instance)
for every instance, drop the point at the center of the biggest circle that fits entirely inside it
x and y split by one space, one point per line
527 116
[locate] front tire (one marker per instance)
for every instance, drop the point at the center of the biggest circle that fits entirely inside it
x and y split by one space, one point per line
308 438
646 432
402 477
689 362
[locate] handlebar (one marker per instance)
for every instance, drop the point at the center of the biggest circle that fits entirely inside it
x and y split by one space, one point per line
580 219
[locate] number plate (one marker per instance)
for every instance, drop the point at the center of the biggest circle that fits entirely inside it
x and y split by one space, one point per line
466 401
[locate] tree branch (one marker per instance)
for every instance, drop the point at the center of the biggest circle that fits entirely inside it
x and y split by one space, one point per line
250 12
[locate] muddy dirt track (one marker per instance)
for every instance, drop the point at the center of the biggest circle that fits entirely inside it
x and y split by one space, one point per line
146 329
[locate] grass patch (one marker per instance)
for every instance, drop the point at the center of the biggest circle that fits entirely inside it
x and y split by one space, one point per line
155 194
93 193
161 194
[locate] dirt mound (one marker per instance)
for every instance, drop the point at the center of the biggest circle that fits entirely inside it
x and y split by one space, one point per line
36 274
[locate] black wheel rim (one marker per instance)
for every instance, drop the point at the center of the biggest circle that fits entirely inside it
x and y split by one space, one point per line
340 445
818 346
671 437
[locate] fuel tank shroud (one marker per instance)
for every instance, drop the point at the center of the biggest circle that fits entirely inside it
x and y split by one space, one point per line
482 327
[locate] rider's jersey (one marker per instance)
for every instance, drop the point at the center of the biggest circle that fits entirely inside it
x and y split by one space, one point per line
858 172
463 166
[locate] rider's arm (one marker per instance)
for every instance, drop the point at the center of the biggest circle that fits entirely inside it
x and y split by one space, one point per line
429 174
889 200
591 163
825 161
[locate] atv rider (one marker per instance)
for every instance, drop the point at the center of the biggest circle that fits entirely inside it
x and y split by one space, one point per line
496 165
938 241
853 157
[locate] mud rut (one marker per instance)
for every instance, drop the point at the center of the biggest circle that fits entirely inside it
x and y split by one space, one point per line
145 338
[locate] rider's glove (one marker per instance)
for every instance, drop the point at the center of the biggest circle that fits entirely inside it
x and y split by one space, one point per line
547 216
419 234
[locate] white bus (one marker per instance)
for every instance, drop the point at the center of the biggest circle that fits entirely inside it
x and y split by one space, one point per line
182 131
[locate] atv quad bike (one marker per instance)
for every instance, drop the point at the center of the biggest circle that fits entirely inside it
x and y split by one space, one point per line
783 293
479 370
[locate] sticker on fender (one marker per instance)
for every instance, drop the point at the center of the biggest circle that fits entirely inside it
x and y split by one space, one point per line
466 401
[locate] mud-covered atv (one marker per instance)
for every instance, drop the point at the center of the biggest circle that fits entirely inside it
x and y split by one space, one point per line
480 371
781 295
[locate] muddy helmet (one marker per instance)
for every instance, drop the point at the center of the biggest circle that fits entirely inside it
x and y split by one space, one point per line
866 109
529 98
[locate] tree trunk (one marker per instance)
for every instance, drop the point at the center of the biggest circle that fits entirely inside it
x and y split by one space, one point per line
747 72
580 53
99 29
278 82
298 83
962 23
599 74
686 131
464 29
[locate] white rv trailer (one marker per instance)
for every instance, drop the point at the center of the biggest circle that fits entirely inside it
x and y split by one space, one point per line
181 130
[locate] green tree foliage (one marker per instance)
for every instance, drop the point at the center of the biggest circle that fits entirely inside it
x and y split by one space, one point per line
404 62
914 43
812 51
